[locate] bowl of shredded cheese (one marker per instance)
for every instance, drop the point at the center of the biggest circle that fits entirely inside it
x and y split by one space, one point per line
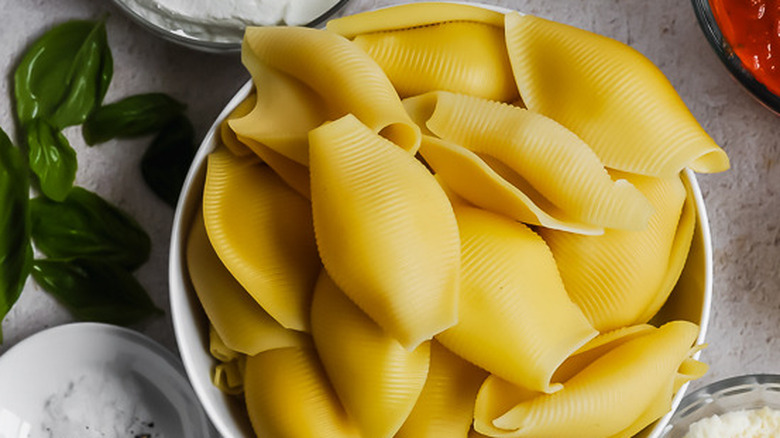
218 26
740 406
358 251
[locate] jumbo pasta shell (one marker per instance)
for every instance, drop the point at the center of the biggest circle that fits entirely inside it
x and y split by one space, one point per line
611 393
242 325
262 231
516 320
288 395
616 276
411 15
471 178
539 156
377 380
344 77
226 133
446 405
385 230
460 56
611 96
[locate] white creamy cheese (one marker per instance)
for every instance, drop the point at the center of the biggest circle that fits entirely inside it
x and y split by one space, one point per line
224 20
753 423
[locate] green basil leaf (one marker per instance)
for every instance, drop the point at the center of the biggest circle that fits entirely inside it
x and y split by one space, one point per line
166 161
51 159
131 117
85 225
88 81
15 249
70 66
95 290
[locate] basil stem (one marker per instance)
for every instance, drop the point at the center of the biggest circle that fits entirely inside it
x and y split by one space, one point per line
85 225
15 249
95 290
64 75
51 159
131 117
166 161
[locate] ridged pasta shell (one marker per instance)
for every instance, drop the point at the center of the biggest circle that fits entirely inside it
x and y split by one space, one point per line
296 175
610 394
611 96
226 133
262 231
678 257
377 380
468 175
385 230
614 277
347 80
285 111
515 320
497 396
288 395
461 56
240 322
446 405
412 15
540 157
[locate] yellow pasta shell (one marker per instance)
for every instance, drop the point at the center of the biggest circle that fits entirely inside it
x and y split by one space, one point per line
262 231
241 324
515 320
288 395
296 175
678 257
611 96
471 178
611 393
446 405
346 79
616 276
285 111
377 380
226 133
385 230
540 157
460 56
412 15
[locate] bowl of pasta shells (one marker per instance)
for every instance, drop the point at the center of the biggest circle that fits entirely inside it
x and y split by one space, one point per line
444 219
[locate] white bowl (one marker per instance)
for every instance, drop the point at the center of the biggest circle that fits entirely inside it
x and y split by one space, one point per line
689 301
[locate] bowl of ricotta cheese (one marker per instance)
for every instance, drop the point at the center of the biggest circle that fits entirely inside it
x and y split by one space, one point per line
741 406
218 26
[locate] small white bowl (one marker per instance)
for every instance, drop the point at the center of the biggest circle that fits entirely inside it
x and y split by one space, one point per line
93 380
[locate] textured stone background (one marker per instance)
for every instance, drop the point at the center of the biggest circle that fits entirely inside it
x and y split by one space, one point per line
743 208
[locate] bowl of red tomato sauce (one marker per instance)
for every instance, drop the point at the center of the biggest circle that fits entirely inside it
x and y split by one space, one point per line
746 36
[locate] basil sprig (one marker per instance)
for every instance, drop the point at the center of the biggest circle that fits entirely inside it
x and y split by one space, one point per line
131 117
51 159
64 75
85 225
15 249
166 161
95 290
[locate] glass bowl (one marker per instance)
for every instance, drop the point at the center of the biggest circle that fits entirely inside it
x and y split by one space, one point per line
194 33
715 37
753 391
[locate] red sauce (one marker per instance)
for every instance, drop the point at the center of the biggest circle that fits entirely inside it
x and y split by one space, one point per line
752 29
